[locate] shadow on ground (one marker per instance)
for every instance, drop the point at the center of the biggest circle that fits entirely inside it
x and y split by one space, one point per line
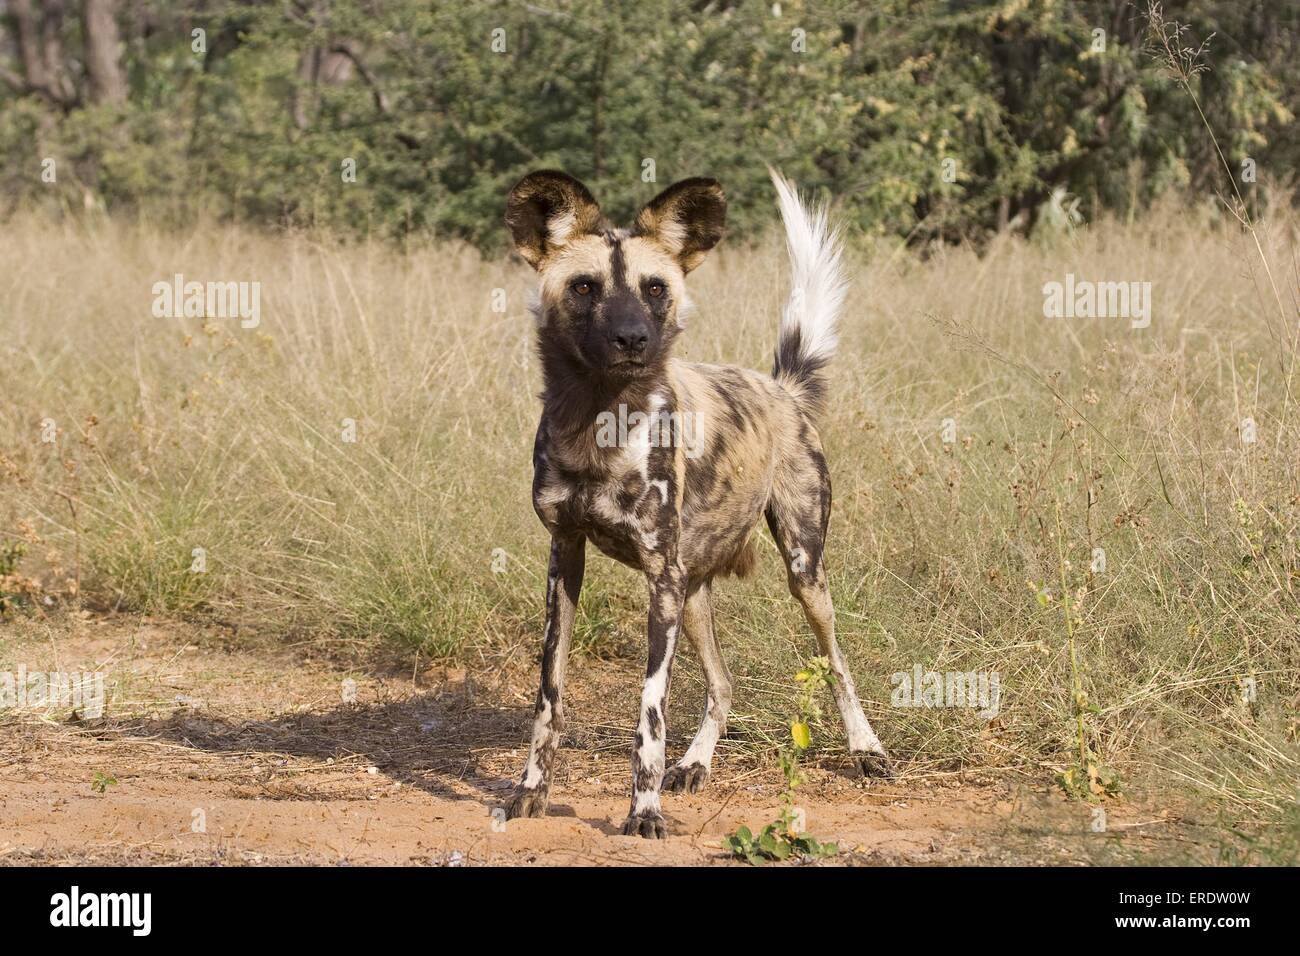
431 741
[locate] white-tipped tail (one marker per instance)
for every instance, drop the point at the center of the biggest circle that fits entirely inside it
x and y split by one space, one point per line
806 338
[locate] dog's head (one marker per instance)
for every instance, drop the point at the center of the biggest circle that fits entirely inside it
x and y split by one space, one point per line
612 299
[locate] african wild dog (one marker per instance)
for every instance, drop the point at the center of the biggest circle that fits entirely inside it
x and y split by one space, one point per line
612 301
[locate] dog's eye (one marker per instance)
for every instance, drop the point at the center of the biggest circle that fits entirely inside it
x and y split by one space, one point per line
582 287
655 290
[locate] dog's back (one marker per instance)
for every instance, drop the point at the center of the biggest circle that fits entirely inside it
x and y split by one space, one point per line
756 434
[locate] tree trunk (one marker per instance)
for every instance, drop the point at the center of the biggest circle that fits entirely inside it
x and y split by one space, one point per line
106 79
38 35
64 90
23 16
302 99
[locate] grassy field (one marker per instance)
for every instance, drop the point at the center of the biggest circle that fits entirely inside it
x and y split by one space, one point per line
981 455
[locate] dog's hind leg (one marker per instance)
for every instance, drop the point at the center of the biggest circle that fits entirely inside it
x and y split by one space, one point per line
798 515
563 583
692 771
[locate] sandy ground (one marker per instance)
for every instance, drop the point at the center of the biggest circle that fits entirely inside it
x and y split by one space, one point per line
215 751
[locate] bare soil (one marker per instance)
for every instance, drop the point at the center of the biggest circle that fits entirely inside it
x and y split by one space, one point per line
220 750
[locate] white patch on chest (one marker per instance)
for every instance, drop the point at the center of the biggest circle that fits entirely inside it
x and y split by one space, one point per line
637 452
660 485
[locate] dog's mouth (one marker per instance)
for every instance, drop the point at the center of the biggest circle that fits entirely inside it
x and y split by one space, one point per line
629 366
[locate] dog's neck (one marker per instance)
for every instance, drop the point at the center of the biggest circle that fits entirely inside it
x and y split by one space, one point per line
574 397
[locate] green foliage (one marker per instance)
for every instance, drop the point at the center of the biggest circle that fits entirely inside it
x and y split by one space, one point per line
926 119
775 843
783 838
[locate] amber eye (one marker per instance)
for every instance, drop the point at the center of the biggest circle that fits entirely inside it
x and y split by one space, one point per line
582 287
655 290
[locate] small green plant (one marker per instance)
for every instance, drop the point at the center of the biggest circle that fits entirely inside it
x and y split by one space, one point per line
1089 778
102 781
783 838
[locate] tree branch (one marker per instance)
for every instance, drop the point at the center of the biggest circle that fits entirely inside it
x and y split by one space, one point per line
349 49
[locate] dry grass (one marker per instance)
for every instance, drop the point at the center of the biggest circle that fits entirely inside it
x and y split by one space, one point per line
1072 435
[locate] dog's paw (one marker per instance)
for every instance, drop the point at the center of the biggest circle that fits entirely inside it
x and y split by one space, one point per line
649 825
690 777
526 802
873 764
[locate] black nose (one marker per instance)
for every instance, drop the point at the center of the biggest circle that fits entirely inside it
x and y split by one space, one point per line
631 340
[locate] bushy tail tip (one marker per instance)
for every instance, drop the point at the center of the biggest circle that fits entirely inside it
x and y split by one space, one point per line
806 337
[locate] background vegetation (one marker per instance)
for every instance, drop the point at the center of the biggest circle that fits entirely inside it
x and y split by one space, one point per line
927 119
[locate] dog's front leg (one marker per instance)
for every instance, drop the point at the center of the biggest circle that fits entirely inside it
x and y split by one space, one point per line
563 584
667 596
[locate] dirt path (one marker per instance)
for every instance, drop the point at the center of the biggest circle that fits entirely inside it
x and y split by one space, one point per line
217 752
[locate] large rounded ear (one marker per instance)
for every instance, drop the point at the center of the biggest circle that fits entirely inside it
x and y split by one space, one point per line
545 210
687 219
